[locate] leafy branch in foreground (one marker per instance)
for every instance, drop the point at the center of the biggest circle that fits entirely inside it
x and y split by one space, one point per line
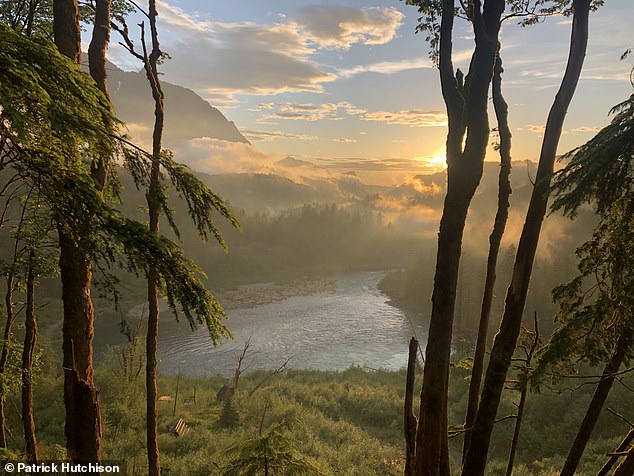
179 277
201 201
596 308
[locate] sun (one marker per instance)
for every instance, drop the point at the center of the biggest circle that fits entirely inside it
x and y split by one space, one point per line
438 161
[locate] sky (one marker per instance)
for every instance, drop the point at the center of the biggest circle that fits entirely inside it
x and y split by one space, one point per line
348 85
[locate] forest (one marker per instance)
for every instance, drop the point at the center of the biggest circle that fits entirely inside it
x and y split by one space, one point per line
180 301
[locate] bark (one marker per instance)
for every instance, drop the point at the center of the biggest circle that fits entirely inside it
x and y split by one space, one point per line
83 422
30 339
625 444
626 468
154 208
495 239
97 65
4 357
464 171
596 404
66 29
28 28
409 420
81 398
506 339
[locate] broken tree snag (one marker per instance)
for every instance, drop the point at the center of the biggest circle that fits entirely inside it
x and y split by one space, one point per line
81 426
409 420
625 444
626 468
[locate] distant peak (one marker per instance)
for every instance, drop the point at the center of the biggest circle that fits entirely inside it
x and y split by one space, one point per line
290 162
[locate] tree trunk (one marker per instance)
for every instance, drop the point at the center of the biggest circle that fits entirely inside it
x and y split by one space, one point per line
506 339
30 339
81 398
409 420
154 208
66 28
625 444
464 171
4 357
596 404
626 468
499 225
97 66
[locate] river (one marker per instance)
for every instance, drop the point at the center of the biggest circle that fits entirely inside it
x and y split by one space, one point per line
349 324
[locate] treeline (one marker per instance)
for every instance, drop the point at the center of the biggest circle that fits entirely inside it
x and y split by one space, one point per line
411 288
313 240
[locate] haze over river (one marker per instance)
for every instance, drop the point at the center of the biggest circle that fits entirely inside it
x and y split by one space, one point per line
349 323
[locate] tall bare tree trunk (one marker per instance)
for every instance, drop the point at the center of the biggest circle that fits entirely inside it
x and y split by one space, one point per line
81 398
97 65
596 404
506 339
495 239
154 208
464 171
30 340
4 356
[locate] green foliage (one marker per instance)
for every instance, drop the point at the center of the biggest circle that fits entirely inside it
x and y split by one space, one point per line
179 276
51 109
275 452
597 306
15 14
600 171
201 201
526 12
47 104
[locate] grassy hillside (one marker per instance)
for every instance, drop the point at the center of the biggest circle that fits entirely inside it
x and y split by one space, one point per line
346 423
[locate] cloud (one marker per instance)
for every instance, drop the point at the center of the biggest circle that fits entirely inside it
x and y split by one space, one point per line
585 129
266 136
413 117
536 128
393 67
345 140
421 186
333 26
386 67
340 110
215 156
308 112
223 59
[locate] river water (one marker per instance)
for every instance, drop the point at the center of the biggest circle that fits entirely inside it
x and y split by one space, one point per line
350 324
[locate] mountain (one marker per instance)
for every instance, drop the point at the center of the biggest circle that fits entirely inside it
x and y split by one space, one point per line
187 115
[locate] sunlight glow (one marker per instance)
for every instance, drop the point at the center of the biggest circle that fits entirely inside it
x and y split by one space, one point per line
437 162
